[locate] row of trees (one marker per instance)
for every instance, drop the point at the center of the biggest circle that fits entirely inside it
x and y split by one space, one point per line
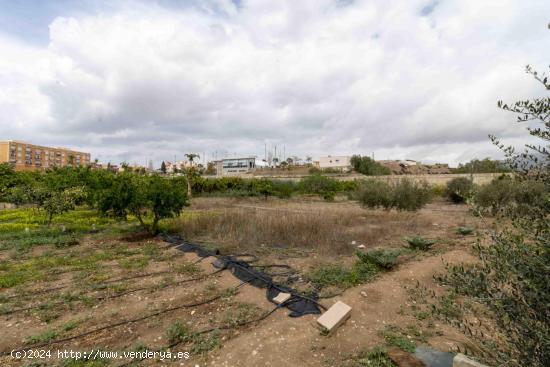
149 198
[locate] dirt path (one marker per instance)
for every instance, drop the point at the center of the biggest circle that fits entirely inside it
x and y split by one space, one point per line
281 340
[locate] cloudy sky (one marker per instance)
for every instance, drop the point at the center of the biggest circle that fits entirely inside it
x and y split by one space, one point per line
138 80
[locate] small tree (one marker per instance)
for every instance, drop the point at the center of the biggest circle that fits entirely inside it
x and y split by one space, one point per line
368 166
459 189
161 197
163 167
58 202
512 276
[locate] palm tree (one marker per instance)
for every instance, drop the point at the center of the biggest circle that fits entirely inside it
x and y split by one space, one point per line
192 156
190 172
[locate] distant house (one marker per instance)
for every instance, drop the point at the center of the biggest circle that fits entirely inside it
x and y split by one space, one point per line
236 166
341 162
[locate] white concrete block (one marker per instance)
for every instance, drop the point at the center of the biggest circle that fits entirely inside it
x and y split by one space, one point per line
334 316
281 297
460 360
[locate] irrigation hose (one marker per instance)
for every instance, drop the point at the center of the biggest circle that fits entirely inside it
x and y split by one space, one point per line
174 344
117 295
120 323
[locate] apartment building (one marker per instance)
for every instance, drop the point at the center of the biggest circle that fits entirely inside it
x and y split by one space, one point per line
25 156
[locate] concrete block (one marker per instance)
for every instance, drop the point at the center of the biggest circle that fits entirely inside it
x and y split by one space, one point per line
281 297
460 360
334 316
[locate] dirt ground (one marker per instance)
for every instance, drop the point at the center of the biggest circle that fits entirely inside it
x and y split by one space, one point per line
392 300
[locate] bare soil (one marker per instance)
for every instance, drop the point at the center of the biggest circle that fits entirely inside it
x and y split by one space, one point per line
389 300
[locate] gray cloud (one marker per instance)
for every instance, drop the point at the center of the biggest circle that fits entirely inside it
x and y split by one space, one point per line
146 81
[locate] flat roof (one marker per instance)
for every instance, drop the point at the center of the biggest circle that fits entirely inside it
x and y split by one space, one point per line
42 146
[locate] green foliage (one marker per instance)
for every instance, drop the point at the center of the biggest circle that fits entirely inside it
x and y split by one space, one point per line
460 189
58 202
45 337
465 231
156 196
400 341
486 165
403 195
511 279
365 268
376 357
178 332
381 257
323 186
340 276
66 241
506 193
420 243
368 166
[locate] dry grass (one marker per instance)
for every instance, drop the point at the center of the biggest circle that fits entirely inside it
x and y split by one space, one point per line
326 228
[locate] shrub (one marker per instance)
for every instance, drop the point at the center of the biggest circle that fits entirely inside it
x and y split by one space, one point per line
411 196
368 166
459 189
384 258
320 185
404 195
507 193
375 194
283 189
420 243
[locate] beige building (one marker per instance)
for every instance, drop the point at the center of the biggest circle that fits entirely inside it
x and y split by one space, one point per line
25 156
341 162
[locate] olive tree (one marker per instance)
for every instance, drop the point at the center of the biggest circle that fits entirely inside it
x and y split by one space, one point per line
511 279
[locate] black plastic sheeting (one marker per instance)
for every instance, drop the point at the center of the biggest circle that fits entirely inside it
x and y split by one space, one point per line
298 304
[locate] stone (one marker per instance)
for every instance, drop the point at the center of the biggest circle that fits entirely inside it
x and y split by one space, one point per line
334 316
460 360
281 297
433 357
362 247
404 359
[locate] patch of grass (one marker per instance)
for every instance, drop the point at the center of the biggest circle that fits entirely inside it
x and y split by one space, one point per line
395 337
448 307
420 243
327 229
66 241
178 332
44 337
465 231
341 276
83 363
244 312
204 343
134 263
376 357
188 269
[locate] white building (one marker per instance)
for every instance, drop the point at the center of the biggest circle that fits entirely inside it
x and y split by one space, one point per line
341 162
236 166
